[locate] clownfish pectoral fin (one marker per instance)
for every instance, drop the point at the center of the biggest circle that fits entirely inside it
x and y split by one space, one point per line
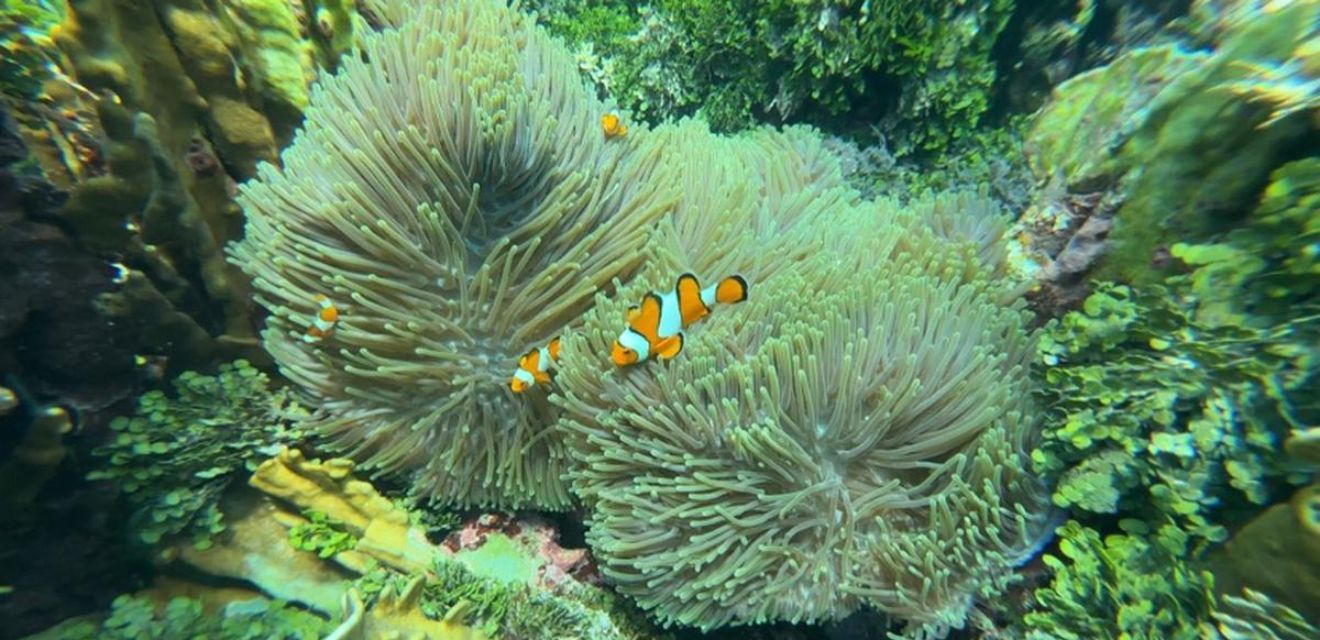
647 319
731 290
691 308
669 347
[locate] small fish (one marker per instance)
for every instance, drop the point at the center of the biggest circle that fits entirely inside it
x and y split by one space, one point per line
656 326
613 126
324 324
534 367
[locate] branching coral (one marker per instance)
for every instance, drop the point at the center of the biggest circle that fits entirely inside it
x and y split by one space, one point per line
853 434
456 198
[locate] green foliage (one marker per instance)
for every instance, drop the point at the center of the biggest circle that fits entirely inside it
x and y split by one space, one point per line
174 457
321 535
1161 417
23 44
1125 586
134 618
1269 269
503 609
743 61
435 520
606 23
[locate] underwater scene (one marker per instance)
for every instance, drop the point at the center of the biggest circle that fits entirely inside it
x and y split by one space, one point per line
660 319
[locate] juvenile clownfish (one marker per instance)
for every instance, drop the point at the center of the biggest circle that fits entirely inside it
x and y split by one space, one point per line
534 367
656 326
324 324
613 126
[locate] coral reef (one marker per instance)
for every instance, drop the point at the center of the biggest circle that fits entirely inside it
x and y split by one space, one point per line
178 454
923 68
381 530
1166 418
398 614
136 618
1171 144
63 368
404 583
147 113
55 345
453 247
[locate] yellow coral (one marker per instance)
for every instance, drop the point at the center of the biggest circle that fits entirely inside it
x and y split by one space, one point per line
383 530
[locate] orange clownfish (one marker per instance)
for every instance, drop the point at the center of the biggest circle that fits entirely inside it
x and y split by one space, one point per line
656 326
324 324
613 126
534 367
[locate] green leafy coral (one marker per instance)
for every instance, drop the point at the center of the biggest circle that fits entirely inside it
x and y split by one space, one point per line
1268 269
321 535
503 608
1163 417
1129 585
1146 584
138 618
926 64
1171 405
175 456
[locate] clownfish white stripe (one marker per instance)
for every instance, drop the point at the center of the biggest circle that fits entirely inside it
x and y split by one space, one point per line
671 320
632 340
524 377
708 295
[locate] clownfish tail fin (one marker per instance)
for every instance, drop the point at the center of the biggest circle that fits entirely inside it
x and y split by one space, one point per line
731 290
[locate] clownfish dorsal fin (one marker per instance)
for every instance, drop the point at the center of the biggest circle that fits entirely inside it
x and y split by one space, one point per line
529 360
669 347
646 320
690 306
731 290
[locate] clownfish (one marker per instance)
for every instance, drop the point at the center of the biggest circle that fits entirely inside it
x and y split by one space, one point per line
534 367
656 326
324 324
613 126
